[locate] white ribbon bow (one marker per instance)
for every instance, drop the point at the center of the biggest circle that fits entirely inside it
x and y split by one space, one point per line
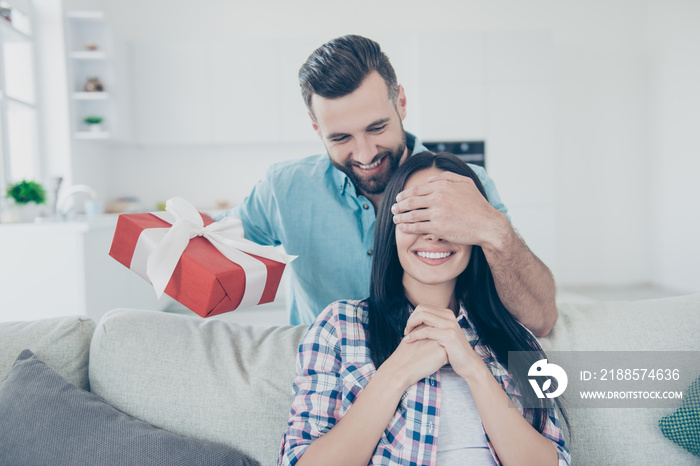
226 236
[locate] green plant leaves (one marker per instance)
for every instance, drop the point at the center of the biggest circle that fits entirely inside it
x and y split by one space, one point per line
25 192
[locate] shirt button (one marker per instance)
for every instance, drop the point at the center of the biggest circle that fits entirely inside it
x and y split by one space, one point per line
369 252
365 207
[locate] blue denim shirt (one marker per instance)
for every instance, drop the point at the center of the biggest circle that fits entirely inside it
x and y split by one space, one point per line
313 210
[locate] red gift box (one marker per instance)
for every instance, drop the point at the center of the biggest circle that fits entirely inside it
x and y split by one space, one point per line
204 280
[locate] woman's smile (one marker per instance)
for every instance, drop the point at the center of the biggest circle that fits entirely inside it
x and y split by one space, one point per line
433 257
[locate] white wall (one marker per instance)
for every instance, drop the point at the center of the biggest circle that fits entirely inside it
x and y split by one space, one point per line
55 141
602 149
674 46
204 175
620 102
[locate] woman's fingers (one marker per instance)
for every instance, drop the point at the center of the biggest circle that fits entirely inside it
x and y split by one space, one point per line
460 353
430 316
426 332
419 360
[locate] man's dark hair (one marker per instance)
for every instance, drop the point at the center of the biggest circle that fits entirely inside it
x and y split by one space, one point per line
338 67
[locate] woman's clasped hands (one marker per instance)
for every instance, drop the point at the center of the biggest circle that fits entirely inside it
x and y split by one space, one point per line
439 326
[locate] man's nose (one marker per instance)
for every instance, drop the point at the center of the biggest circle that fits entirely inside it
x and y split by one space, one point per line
364 151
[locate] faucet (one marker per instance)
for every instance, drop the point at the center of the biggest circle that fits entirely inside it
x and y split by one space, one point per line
66 205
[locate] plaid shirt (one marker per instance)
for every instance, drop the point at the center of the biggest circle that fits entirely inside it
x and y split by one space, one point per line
334 365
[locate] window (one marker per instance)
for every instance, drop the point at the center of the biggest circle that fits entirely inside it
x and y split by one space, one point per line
19 148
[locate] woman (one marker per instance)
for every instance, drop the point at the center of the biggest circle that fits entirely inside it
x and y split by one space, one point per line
415 373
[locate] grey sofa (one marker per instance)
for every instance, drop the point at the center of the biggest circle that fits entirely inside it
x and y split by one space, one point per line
216 380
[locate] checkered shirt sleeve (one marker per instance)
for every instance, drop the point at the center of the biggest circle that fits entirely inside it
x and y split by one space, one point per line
317 389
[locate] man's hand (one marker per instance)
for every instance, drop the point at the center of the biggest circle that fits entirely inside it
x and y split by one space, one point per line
451 207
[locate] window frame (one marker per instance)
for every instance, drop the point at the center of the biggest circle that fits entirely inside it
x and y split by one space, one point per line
9 33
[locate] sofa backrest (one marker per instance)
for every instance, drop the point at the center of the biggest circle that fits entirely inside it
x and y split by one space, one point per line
626 435
62 342
666 324
205 378
222 381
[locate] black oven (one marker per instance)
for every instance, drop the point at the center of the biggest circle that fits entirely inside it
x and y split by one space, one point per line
469 151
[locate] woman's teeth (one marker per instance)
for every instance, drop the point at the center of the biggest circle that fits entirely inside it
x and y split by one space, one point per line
433 255
371 165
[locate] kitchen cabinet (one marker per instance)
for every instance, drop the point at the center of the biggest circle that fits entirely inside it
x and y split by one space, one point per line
453 111
497 87
295 123
219 91
246 90
170 93
243 90
91 84
451 84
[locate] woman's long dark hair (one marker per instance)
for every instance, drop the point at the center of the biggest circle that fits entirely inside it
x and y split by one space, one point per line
475 289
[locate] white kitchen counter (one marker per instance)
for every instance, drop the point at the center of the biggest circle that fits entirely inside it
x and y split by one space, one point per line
80 223
51 269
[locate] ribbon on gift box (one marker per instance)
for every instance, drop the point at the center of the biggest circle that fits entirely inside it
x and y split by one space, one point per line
158 250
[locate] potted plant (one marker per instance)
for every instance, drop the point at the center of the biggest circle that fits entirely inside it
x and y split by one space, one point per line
25 192
28 195
93 122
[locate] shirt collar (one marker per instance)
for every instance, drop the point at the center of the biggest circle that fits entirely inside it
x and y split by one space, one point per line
342 181
462 314
466 323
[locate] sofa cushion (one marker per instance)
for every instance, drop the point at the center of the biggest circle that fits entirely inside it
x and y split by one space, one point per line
625 435
683 426
44 419
210 379
62 342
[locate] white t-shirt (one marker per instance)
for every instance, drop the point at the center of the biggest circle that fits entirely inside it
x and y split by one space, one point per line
461 438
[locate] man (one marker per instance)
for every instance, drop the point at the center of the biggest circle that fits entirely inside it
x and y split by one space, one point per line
322 208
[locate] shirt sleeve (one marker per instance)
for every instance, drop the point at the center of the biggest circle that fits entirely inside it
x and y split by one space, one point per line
490 188
317 388
259 213
553 431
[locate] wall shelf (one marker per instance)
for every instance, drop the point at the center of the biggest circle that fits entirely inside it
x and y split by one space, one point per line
91 135
86 15
11 34
87 56
90 95
15 100
19 29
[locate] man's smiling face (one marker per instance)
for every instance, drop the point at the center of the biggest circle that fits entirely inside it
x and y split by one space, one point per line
363 133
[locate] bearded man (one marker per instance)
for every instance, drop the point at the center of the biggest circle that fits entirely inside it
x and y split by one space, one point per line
322 208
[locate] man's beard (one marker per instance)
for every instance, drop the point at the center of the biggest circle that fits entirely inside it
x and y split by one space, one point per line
374 184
